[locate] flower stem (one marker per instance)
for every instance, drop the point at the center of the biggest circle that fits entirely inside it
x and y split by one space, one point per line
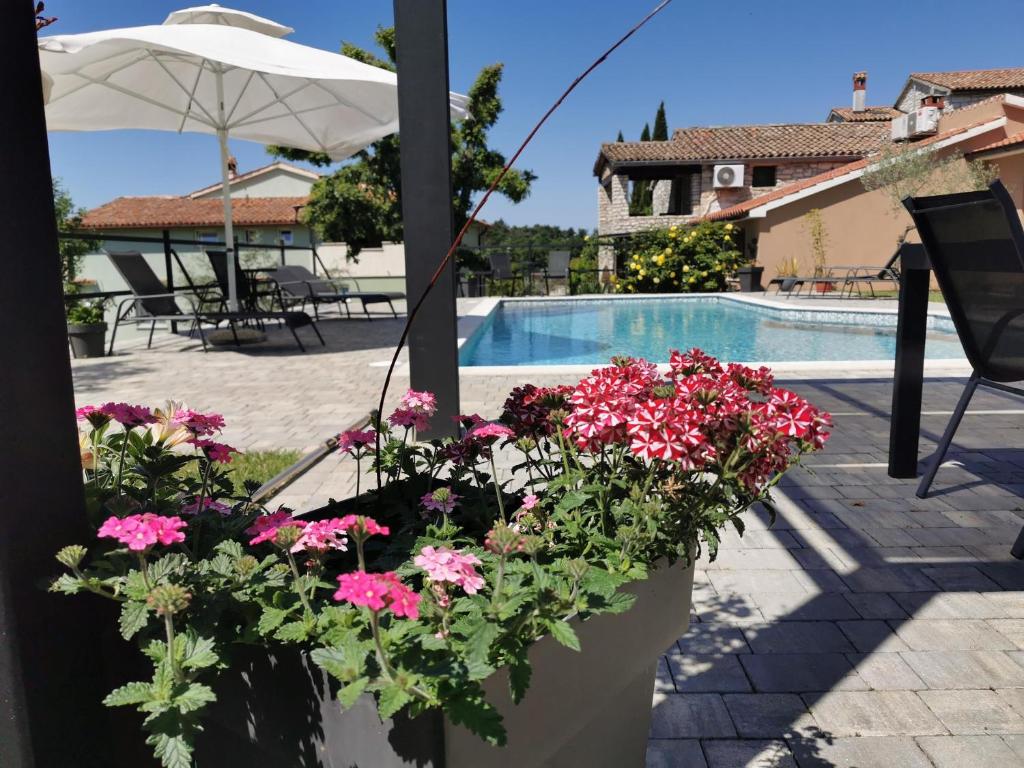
120 463
497 488
499 582
298 578
169 627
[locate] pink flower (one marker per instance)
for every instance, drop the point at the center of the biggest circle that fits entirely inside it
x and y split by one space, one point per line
443 564
422 402
492 430
354 440
415 410
214 451
265 527
322 535
360 526
209 505
200 424
95 416
362 588
441 500
530 501
123 413
377 591
140 532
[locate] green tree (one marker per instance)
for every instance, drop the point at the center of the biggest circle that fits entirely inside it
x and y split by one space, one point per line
361 203
68 219
641 200
660 132
619 139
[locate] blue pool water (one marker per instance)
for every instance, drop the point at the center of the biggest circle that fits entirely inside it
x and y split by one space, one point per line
590 331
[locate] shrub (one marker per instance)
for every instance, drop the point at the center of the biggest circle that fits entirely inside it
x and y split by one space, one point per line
675 260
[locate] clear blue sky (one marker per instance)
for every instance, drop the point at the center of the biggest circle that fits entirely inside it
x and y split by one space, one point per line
752 61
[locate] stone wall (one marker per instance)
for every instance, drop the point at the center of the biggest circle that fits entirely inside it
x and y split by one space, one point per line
912 98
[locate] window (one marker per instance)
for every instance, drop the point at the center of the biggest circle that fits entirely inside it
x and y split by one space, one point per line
208 237
286 237
763 176
680 201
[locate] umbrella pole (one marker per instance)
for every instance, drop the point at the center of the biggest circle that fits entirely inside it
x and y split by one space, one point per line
225 188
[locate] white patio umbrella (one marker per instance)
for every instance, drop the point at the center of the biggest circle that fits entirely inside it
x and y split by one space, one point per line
224 72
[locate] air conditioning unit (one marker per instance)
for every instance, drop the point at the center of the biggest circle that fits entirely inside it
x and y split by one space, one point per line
920 122
728 176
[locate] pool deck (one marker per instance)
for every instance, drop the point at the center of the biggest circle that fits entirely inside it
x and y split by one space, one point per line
866 628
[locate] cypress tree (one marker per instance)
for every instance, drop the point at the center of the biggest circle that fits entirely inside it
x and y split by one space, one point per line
660 132
619 139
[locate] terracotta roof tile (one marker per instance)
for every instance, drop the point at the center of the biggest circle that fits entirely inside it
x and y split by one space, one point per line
742 142
1009 141
975 79
868 115
159 212
741 209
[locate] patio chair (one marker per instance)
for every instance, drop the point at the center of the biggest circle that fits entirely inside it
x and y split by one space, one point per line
557 268
151 301
975 243
297 285
501 269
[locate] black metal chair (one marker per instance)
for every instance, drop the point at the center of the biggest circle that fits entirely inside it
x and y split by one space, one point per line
151 301
975 243
558 268
501 269
298 285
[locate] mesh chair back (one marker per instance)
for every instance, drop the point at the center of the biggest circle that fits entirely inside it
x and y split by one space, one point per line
142 281
975 244
219 262
297 275
501 266
558 263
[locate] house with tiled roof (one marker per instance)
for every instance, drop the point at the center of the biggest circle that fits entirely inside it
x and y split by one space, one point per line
766 178
266 204
955 90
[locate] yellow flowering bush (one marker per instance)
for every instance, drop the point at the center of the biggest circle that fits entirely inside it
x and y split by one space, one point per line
680 259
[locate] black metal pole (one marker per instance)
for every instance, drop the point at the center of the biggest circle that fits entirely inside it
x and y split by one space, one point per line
169 269
908 376
422 55
50 687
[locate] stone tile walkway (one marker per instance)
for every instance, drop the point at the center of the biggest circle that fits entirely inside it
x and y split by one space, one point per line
866 628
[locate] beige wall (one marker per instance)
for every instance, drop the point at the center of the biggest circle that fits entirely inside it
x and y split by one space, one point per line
861 229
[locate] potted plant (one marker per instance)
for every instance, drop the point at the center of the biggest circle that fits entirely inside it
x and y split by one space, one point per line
461 618
750 275
86 328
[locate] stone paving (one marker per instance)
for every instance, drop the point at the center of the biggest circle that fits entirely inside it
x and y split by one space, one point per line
867 628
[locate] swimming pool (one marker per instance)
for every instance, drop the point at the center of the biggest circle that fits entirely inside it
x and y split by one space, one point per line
590 331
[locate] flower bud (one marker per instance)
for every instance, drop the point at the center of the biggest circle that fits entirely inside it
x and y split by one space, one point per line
287 535
168 599
502 540
577 568
71 557
245 566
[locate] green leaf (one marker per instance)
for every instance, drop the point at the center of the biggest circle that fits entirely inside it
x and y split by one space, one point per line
478 649
473 711
199 652
348 695
392 699
172 751
271 619
519 672
565 634
195 696
571 500
620 602
67 584
134 616
294 632
126 695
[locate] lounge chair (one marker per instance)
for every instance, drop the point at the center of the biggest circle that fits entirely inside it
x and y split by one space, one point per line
297 285
501 269
557 268
151 301
975 243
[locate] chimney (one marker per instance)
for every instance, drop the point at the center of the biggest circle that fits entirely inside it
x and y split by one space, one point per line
934 100
860 88
232 167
